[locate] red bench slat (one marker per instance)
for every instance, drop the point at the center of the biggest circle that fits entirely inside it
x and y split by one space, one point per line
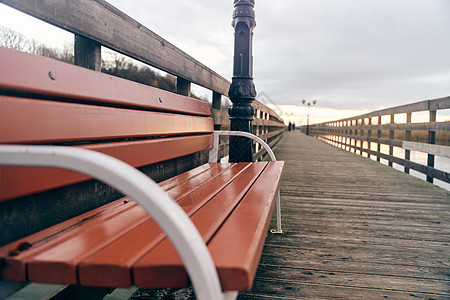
30 73
52 122
59 264
14 267
233 248
164 259
20 181
111 266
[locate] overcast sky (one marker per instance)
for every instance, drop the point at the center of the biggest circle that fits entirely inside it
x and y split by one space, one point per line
346 54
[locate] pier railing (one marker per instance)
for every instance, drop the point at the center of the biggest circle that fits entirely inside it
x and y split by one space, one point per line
368 134
97 24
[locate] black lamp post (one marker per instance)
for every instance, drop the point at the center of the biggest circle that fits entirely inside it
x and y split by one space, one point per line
307 116
242 90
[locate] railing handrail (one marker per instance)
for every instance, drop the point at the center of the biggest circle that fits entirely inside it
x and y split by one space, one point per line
426 105
356 134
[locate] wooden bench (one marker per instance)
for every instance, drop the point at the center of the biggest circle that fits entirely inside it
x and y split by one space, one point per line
61 227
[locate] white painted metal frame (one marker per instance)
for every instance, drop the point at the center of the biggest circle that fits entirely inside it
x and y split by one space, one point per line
131 182
213 156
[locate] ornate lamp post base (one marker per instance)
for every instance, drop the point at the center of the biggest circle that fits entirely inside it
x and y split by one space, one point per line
242 90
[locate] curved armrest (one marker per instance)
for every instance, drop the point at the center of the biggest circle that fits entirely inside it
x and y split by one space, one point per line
213 152
131 182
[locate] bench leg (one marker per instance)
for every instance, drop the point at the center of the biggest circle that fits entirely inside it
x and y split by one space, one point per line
230 295
278 209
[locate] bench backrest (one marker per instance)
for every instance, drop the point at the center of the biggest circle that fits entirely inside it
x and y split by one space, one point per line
48 102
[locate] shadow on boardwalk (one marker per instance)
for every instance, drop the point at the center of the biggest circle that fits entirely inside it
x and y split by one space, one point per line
353 228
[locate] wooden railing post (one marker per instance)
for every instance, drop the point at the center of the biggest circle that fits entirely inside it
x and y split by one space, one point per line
391 137
216 100
379 137
242 90
369 137
361 134
408 138
87 53
217 104
431 140
183 86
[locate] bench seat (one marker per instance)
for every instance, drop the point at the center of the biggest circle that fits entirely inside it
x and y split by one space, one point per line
119 245
61 226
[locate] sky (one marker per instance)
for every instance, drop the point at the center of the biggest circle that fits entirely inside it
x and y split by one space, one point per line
352 56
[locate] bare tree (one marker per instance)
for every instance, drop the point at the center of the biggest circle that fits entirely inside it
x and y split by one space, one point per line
15 40
12 39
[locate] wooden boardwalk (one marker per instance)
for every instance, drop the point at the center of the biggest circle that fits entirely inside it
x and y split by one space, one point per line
354 229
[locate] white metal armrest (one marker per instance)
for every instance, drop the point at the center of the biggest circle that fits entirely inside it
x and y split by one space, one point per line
131 182
213 153
213 156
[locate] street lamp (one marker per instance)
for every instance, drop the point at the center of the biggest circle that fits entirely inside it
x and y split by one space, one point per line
307 116
289 115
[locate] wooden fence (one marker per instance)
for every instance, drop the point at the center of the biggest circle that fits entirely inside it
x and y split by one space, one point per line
97 23
393 127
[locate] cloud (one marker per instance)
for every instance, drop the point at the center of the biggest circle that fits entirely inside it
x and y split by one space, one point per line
353 54
347 54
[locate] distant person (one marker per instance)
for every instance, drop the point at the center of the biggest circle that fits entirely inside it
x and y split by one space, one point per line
289 126
293 126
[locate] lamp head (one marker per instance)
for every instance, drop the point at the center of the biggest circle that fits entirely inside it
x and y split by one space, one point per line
303 101
314 102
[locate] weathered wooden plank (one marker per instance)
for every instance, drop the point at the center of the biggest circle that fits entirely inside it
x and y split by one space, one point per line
357 280
273 115
439 150
423 126
435 104
220 116
384 257
271 134
396 143
270 288
87 53
331 262
263 122
411 247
